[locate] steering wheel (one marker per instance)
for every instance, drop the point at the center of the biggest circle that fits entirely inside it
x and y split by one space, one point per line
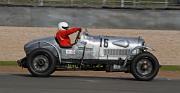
77 37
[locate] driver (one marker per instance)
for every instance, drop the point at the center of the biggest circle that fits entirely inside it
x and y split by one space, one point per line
63 34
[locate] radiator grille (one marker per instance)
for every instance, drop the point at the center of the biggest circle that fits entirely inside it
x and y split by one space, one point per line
116 51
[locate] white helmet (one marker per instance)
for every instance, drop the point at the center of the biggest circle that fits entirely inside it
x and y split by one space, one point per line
63 26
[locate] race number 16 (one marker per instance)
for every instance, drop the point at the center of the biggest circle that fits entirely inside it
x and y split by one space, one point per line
105 42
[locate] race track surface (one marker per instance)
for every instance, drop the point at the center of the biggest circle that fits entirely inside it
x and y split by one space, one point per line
21 83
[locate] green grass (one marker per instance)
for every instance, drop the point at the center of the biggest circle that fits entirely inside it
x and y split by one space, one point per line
171 68
8 63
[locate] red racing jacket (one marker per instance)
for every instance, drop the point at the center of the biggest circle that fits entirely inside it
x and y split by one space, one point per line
63 36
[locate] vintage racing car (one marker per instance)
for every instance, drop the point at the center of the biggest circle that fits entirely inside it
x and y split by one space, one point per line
89 52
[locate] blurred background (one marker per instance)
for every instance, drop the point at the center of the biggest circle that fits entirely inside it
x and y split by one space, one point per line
124 14
97 3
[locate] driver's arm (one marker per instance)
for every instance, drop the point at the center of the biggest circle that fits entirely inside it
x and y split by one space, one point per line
72 30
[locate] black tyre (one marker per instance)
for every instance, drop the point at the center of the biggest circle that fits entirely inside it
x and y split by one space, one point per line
41 62
145 66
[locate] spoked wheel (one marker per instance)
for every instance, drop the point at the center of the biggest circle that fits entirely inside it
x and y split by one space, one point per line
145 66
41 62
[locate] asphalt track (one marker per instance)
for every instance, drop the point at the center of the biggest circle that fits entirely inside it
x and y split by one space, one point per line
20 83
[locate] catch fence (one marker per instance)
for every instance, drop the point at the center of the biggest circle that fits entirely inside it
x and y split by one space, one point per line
96 3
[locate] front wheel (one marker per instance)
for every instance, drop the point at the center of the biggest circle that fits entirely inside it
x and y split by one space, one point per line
41 62
145 66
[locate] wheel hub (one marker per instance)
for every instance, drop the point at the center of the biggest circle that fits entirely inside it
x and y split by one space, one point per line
40 63
144 67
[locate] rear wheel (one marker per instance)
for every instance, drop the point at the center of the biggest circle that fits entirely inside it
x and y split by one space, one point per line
41 62
145 66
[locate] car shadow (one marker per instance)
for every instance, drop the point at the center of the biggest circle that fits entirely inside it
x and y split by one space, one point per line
77 77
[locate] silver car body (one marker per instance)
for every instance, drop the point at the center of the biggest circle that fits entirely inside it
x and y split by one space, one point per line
92 47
